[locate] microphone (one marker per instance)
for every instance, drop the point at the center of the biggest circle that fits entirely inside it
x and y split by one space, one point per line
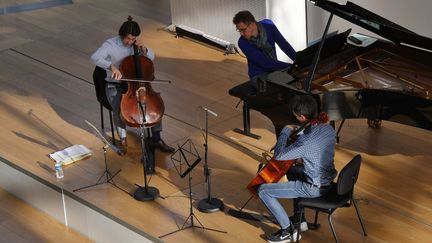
209 111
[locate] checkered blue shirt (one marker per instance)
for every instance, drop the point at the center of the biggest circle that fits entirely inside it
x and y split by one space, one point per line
315 146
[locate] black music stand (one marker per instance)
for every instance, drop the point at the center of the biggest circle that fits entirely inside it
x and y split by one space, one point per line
144 193
184 155
109 177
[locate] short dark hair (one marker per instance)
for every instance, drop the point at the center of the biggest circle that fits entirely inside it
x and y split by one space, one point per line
129 27
244 16
305 105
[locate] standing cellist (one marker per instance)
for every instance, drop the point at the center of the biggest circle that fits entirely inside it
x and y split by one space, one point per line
315 147
109 57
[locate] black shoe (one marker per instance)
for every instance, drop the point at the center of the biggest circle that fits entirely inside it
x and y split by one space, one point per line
283 235
162 146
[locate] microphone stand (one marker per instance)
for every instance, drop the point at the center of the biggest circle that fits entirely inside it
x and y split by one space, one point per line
146 193
209 204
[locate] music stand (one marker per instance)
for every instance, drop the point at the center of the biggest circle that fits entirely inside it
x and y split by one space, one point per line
109 177
184 156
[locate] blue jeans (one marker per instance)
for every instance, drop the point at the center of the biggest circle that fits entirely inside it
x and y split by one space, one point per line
295 188
270 192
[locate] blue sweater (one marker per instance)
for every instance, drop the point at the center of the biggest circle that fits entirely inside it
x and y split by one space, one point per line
258 62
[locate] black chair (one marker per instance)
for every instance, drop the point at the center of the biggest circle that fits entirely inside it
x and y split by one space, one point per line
340 195
99 75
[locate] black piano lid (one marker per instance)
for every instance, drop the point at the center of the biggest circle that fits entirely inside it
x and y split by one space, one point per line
375 23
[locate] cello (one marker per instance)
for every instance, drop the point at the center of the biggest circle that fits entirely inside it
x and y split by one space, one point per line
140 105
274 170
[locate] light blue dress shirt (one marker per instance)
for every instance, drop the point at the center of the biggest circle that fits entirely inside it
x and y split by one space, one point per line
113 51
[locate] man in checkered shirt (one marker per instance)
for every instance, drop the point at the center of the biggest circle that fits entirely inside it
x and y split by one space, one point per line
312 177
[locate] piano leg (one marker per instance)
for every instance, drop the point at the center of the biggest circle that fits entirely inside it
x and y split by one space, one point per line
246 123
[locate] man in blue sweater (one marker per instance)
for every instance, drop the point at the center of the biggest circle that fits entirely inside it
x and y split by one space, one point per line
257 42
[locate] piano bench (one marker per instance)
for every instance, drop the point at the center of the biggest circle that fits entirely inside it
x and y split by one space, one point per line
244 92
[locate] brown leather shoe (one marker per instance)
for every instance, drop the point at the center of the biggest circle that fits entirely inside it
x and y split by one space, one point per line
162 146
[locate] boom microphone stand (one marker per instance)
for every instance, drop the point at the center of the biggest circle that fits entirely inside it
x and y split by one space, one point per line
209 204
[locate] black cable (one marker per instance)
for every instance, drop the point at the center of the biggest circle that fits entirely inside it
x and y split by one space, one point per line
51 66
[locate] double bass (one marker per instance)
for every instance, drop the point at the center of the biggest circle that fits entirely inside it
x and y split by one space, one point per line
140 105
274 170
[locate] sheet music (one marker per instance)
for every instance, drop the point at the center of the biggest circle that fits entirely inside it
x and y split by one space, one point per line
185 156
281 77
71 154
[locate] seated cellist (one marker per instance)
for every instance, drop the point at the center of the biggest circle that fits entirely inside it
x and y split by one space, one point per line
315 147
109 57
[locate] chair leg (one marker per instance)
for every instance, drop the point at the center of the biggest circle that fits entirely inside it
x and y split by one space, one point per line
359 217
102 119
112 128
299 224
332 228
316 217
314 225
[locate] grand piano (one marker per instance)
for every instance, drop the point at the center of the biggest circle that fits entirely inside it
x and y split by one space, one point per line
375 79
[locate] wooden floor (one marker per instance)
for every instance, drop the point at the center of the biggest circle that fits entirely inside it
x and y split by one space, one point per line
15 225
46 93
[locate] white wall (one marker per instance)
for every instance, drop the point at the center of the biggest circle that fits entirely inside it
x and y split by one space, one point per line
413 14
290 18
214 17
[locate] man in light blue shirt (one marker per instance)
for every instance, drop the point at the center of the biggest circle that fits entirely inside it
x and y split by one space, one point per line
312 177
109 57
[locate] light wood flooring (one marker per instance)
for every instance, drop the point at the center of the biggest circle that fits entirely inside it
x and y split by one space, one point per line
46 93
20 222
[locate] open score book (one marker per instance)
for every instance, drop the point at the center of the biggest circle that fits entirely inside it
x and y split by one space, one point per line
70 154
